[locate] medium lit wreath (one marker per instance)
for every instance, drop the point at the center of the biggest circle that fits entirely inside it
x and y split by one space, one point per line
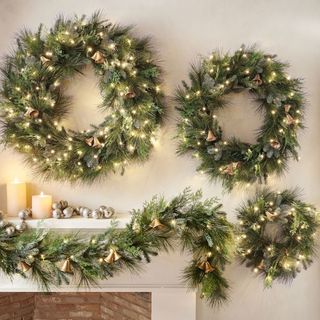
277 235
33 103
279 98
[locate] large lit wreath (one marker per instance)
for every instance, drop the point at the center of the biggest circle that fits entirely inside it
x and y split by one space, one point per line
277 235
200 227
279 99
33 103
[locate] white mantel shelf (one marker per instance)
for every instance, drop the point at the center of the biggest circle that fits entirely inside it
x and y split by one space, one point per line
74 223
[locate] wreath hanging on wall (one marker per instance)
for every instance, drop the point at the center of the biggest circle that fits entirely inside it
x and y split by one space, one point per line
200 227
276 235
33 103
279 98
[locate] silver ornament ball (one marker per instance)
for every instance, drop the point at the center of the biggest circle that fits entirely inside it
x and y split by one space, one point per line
86 212
97 214
64 204
23 214
108 212
10 230
56 205
56 213
68 212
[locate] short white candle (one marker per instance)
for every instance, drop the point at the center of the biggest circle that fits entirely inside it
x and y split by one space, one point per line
41 206
16 197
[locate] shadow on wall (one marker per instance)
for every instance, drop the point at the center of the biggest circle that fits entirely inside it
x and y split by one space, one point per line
95 306
3 200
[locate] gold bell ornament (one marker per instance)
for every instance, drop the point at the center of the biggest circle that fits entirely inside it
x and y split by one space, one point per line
93 142
66 267
275 144
205 266
98 57
261 265
156 224
44 59
211 136
32 113
230 168
290 120
112 257
257 80
24 266
130 95
271 216
287 108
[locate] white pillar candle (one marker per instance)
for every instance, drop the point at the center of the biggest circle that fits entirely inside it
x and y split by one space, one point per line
41 206
16 197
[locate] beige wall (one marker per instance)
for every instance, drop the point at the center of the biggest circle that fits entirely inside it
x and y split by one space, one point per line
181 31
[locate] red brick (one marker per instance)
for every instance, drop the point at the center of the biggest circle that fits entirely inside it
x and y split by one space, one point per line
81 314
15 297
142 317
46 299
4 300
76 306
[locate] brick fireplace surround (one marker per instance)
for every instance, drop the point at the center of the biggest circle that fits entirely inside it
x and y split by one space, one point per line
77 306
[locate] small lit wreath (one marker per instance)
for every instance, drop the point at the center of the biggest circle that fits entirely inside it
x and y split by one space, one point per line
280 100
277 235
33 103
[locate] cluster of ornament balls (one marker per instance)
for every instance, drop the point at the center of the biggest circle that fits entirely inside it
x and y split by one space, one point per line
62 209
20 227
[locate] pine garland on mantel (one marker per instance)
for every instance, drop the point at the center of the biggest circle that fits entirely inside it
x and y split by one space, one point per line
200 227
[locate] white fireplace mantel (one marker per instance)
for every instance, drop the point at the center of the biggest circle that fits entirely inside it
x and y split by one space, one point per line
75 223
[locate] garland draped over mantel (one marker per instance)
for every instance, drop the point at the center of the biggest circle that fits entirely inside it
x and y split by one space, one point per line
33 104
200 227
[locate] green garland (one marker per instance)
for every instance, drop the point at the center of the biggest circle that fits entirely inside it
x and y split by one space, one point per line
277 235
33 103
199 226
280 100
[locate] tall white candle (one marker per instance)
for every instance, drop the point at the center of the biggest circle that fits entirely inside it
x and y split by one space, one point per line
16 197
41 206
